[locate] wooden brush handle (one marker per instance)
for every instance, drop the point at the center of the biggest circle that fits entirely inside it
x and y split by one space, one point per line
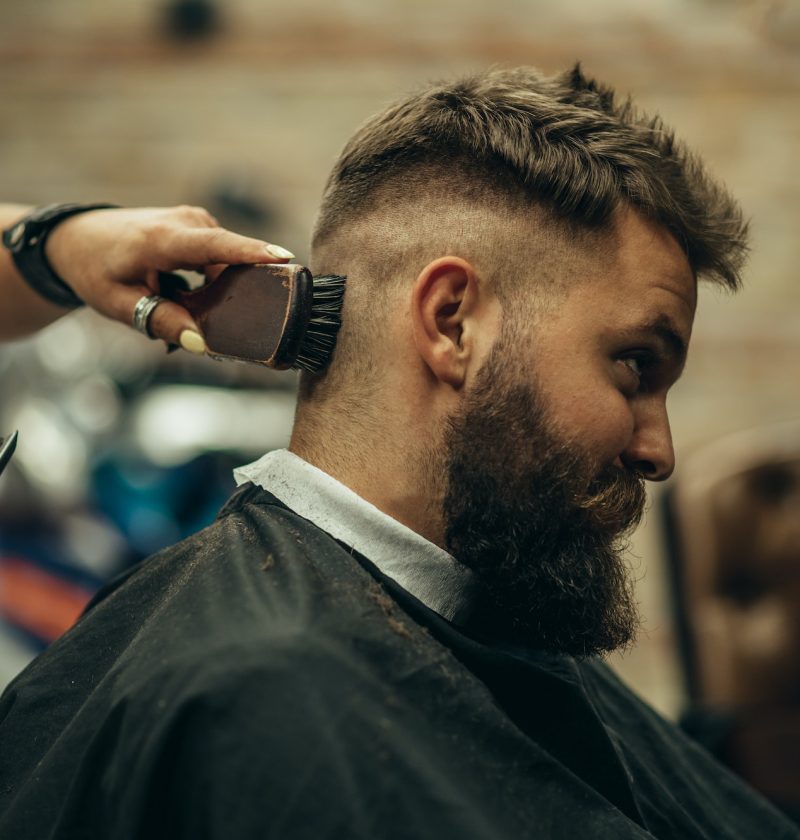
252 313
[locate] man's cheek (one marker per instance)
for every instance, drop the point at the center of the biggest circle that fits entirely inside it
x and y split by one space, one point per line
601 425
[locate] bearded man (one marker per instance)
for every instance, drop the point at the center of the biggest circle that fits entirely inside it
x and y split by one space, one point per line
392 630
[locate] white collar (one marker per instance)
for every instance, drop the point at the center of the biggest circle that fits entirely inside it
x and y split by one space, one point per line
428 572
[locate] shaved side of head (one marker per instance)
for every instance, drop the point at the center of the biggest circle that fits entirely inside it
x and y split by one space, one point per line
514 245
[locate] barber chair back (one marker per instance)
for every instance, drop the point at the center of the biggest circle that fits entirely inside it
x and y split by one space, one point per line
733 521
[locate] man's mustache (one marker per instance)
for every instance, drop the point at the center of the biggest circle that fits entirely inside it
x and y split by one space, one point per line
615 501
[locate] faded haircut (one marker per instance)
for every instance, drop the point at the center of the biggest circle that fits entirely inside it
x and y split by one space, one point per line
509 143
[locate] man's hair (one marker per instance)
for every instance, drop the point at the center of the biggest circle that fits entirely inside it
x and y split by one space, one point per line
465 168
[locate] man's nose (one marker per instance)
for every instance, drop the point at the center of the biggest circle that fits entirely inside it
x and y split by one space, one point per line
650 450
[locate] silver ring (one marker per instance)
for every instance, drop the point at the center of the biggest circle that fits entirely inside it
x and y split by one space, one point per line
142 312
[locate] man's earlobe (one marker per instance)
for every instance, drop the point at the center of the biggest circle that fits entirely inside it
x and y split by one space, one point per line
442 299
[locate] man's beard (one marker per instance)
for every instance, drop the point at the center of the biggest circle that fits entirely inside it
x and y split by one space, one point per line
542 529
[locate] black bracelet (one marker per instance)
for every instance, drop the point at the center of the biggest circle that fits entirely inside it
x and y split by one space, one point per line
26 240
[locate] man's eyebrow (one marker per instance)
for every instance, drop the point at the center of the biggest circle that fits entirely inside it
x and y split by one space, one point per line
664 328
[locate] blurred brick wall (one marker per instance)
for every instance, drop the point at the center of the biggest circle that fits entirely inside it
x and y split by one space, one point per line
98 103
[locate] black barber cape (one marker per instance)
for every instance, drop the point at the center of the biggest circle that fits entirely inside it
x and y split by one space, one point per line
258 681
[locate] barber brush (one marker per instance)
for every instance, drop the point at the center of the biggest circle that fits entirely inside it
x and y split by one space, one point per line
274 315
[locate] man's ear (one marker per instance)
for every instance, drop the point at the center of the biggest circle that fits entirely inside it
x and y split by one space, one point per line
444 296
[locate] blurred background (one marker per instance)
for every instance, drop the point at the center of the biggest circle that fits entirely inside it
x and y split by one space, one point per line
242 107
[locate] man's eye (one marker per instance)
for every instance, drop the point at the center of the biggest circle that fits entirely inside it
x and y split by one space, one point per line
635 363
641 364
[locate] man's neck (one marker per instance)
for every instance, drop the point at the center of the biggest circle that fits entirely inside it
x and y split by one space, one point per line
388 477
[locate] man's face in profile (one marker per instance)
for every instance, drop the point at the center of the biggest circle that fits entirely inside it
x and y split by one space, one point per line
547 458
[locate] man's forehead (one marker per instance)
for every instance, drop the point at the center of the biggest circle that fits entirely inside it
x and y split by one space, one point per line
644 266
639 286
650 249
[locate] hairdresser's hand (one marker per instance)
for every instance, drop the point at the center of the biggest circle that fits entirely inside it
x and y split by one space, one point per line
111 258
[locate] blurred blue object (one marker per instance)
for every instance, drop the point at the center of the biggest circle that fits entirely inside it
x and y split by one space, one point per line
156 506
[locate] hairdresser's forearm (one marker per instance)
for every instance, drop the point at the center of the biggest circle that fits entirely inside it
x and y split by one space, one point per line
22 311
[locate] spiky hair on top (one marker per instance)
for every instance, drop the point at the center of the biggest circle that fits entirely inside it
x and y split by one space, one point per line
563 142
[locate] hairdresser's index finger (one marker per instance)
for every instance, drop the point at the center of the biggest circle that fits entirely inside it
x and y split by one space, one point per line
197 247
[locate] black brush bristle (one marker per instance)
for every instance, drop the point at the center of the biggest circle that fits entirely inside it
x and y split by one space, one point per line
319 341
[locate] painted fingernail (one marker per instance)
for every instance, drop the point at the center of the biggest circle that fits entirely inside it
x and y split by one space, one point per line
193 342
279 253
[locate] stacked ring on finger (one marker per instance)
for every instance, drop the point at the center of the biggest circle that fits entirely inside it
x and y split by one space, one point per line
143 310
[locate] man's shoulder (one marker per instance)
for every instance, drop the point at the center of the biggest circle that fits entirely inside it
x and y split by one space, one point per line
262 679
254 628
257 559
252 598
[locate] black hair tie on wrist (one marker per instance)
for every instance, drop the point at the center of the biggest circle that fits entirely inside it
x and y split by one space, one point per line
26 238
